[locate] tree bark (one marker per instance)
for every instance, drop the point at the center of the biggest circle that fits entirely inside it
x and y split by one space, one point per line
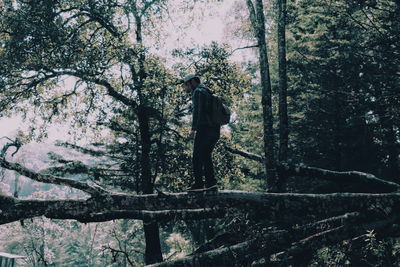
282 207
258 22
283 115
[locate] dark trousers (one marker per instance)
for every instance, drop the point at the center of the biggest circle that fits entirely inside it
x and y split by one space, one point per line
204 142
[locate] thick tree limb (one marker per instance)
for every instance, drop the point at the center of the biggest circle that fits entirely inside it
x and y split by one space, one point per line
274 207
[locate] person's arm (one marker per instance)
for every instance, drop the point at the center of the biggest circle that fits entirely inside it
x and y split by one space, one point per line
199 109
195 103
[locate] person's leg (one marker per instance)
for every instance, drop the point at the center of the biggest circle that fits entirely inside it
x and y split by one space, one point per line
197 161
207 159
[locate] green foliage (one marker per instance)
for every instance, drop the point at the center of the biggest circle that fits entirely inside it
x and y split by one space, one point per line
342 82
330 256
247 131
373 251
179 247
380 252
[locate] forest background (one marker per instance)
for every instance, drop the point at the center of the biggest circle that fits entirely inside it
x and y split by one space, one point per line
105 76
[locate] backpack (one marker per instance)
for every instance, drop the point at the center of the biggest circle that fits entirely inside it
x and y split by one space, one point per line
219 112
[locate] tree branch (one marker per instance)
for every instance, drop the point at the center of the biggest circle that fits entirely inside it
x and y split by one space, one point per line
96 153
240 253
51 179
246 154
362 182
244 47
5 148
157 216
110 89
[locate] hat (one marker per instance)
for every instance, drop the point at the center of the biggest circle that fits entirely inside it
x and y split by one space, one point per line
189 77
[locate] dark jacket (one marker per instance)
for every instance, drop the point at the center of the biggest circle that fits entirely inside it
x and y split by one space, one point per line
201 99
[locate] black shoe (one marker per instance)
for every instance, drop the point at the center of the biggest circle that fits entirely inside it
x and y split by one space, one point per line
196 187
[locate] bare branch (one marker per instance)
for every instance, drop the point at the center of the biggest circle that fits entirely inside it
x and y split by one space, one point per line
13 143
47 178
243 252
363 182
157 216
246 154
245 47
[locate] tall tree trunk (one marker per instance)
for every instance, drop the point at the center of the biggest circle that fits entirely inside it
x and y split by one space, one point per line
151 230
153 252
258 21
283 115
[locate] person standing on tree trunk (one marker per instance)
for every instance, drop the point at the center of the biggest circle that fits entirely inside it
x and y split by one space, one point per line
205 135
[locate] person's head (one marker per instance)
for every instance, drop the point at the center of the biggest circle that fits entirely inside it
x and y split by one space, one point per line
190 82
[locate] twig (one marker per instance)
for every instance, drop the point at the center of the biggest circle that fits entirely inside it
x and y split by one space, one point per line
245 47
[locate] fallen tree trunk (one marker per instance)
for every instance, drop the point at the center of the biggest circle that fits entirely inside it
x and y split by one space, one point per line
275 207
